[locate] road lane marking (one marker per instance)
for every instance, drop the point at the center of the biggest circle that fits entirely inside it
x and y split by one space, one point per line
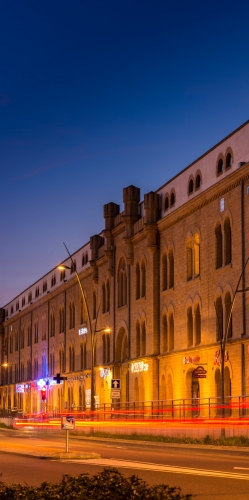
107 462
242 468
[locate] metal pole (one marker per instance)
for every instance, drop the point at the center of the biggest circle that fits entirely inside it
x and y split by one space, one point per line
67 440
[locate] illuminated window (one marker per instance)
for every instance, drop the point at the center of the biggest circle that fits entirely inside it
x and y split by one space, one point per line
189 259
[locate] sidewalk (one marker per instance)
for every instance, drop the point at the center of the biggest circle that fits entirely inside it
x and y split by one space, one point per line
28 446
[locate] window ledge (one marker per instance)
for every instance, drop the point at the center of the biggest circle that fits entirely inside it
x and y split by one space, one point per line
222 269
194 280
167 290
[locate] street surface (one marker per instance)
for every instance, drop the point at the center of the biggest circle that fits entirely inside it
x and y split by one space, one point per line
205 473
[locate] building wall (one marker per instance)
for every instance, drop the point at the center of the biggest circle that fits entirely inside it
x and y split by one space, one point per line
153 369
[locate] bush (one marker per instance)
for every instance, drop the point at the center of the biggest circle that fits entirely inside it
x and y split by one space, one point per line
107 485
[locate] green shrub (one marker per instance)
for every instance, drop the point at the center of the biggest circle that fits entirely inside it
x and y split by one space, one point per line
107 485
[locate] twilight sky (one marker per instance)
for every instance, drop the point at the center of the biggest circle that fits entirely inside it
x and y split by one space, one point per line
97 95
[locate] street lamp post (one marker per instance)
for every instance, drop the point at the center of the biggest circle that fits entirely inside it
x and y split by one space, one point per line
223 340
92 332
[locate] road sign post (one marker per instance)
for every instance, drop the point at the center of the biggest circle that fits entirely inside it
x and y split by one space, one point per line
67 424
115 388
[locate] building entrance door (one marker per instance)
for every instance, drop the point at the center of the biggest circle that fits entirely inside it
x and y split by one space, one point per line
195 397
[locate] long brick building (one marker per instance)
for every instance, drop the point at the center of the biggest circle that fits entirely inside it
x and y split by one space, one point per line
159 281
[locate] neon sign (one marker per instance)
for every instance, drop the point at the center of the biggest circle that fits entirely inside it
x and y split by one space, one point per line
139 366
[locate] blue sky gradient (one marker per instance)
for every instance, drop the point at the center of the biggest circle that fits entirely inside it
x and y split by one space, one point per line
95 96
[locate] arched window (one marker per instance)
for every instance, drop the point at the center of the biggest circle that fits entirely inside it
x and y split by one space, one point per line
143 339
171 268
137 339
143 280
197 181
227 242
70 358
189 259
86 258
62 317
229 160
122 284
94 305
103 299
190 340
172 199
191 186
166 203
171 332
107 296
197 325
73 358
165 334
52 324
165 272
220 167
137 281
83 260
218 237
81 356
196 255
228 305
219 318
71 315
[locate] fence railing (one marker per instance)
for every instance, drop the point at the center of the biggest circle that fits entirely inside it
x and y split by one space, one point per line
175 409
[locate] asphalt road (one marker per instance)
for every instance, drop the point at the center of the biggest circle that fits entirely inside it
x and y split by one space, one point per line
204 473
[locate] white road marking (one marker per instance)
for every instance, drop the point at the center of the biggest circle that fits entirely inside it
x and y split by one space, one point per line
107 462
242 468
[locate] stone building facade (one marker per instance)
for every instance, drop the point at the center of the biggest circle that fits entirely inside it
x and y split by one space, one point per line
159 281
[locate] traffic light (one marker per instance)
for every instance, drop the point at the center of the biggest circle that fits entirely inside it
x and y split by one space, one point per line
43 394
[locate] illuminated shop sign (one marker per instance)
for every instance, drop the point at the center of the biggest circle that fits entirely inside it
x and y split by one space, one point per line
139 366
77 377
48 381
20 388
189 360
83 331
104 372
218 358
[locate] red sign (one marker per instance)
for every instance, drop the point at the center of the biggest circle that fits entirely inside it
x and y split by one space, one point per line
200 372
187 360
217 357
